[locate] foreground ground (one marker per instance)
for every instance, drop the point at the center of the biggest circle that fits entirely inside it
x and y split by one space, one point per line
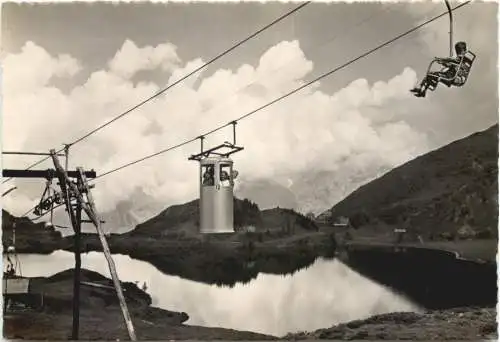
109 325
457 324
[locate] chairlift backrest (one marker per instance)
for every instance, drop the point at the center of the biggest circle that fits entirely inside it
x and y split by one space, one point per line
468 58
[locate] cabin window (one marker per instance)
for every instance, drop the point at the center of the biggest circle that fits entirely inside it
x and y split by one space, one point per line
225 175
207 175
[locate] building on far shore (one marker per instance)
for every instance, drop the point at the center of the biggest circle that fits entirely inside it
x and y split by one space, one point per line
399 234
342 221
328 219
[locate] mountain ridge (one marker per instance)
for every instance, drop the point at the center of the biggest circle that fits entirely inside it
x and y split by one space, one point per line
451 188
184 219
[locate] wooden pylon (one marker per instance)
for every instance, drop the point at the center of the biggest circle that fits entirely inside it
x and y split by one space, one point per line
89 208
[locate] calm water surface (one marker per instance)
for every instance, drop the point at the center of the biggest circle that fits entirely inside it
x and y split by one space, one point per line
326 293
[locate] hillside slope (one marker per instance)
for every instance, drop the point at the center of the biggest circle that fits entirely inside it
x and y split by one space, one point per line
30 236
448 192
183 219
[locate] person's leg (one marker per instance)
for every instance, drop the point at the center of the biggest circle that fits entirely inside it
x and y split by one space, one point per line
421 86
433 79
421 90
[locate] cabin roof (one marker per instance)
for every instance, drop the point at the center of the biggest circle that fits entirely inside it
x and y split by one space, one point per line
213 160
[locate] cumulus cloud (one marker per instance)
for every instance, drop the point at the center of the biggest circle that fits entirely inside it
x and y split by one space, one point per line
33 68
130 59
364 123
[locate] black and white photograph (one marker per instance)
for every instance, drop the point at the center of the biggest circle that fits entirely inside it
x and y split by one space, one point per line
249 170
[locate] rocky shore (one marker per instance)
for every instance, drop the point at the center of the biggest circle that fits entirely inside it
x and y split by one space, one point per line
454 324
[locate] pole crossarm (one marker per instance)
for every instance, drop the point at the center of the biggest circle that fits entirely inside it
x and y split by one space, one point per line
31 153
49 173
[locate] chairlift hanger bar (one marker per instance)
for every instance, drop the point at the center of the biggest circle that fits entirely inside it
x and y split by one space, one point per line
450 13
226 144
234 131
207 153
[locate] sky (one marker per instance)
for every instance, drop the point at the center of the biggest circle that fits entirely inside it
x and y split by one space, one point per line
67 68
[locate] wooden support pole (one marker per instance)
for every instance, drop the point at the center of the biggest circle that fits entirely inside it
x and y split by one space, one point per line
91 212
64 182
77 275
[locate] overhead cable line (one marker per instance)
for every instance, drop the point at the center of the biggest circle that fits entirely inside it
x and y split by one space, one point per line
369 52
194 71
274 22
274 70
289 60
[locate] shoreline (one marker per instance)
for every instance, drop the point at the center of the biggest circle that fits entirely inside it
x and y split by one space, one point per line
209 261
101 319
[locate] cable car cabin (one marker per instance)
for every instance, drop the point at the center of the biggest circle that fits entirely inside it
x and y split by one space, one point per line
216 195
452 71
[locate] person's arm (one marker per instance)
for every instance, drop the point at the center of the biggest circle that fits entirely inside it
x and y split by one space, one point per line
447 60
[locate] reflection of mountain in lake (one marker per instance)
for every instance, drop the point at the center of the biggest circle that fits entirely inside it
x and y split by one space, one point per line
222 260
323 294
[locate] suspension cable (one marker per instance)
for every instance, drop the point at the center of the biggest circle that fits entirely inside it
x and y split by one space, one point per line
369 52
274 22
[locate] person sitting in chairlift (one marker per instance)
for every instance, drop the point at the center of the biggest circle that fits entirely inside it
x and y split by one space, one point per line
447 75
11 271
224 177
208 176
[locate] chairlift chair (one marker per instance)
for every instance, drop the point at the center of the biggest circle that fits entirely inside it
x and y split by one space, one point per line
453 70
